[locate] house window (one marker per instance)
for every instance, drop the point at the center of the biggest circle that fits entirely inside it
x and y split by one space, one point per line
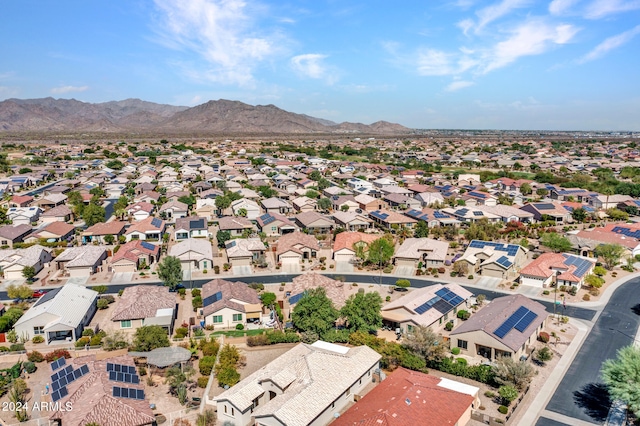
273 228
38 330
462 344
125 324
135 236
204 265
217 319
409 328
237 317
225 409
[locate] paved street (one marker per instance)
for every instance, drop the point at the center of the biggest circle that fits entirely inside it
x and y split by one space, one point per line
581 394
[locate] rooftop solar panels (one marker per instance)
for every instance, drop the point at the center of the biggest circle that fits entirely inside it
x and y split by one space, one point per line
427 305
477 194
58 363
520 320
378 215
440 215
461 212
155 222
627 232
197 224
504 261
296 298
582 265
120 392
478 213
124 377
449 296
544 206
212 299
120 368
148 246
59 394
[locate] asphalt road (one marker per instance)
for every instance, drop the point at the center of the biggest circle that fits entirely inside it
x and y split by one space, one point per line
581 394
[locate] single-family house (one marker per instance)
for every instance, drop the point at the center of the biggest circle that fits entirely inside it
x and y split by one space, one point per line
236 225
149 229
143 305
60 213
226 304
81 261
304 204
97 232
52 232
173 210
276 205
388 219
194 253
23 215
135 255
425 251
251 208
561 268
10 234
275 224
368 203
551 211
296 246
344 203
191 227
244 251
494 259
140 210
352 221
344 250
314 222
13 261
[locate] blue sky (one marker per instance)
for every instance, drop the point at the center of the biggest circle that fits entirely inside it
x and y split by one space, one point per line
509 64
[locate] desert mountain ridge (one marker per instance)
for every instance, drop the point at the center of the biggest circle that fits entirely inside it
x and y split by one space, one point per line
216 116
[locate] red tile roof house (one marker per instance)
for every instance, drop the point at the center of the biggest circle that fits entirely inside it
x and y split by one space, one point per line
145 305
294 247
507 326
20 201
569 270
412 398
134 254
98 231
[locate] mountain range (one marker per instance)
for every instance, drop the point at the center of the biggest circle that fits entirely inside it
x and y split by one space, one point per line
221 116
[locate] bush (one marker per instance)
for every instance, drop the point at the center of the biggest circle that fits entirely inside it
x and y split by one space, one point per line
448 326
256 286
142 371
181 332
455 351
83 341
470 277
490 394
546 292
216 269
258 340
239 327
109 298
209 348
228 376
503 410
88 332
586 297
35 356
206 364
196 292
16 347
387 299
29 366
463 315
280 337
37 339
203 381
462 361
96 340
182 291
102 304
573 290
543 336
4 349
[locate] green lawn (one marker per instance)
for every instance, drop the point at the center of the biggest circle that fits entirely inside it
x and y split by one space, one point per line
240 333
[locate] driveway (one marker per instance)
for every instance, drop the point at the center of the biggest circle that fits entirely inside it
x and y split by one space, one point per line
291 268
242 270
344 267
489 282
405 271
78 280
122 277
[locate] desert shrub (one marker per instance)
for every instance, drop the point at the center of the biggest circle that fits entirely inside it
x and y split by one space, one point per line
182 291
181 332
256 286
37 339
96 340
142 371
573 290
102 304
387 299
4 349
35 356
16 347
258 340
448 326
88 332
196 292
280 337
83 341
546 292
455 351
463 315
109 298
309 336
203 381
586 297
228 376
336 336
205 364
470 277
503 410
216 269
239 327
209 348
29 366
490 394
543 336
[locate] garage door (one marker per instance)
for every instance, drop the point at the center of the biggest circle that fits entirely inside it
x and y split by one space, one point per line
127 267
246 261
289 260
344 257
405 262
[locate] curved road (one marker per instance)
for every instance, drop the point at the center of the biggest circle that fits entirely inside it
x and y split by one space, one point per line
581 394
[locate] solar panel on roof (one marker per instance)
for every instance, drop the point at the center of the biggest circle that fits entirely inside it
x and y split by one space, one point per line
442 306
116 391
55 385
461 212
477 194
156 222
119 377
440 215
427 305
522 325
112 375
545 206
212 299
147 246
84 369
58 363
478 213
510 322
196 224
117 367
110 367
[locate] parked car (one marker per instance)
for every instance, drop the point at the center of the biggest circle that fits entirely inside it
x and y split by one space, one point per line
38 293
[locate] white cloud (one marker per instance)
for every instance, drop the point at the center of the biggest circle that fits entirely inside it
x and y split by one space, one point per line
531 38
559 7
465 25
497 11
457 85
433 62
220 32
68 89
610 44
311 65
601 8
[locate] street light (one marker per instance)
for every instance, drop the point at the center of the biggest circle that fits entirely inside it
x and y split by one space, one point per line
555 294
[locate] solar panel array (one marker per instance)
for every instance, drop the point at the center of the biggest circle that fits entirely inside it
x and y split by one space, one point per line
59 394
212 299
120 392
378 215
444 301
504 261
267 218
511 249
296 298
461 212
478 195
417 214
582 265
627 232
478 213
197 224
64 377
520 320
122 373
155 222
545 206
440 215
58 363
148 246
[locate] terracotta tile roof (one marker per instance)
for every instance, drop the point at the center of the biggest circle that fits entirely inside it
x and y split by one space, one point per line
546 264
134 249
21 199
60 210
348 239
109 228
295 240
335 290
604 237
234 222
92 400
408 398
140 206
145 225
230 290
143 301
57 228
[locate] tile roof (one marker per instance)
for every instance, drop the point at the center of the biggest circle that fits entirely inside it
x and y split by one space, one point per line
243 247
417 248
409 398
295 241
29 256
493 315
314 376
235 295
57 228
143 301
348 239
234 222
61 210
81 256
191 223
108 228
308 218
192 249
134 249
12 232
336 291
146 225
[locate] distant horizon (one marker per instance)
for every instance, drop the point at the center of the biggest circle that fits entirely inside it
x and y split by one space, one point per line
467 64
322 118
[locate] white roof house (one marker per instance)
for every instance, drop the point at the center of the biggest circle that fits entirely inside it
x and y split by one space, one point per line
305 386
194 251
14 261
61 314
81 261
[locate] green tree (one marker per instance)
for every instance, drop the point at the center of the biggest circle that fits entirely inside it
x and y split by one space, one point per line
97 192
324 204
622 375
242 212
423 341
29 272
223 237
511 372
115 164
381 251
93 214
267 191
555 242
150 337
223 202
403 283
121 204
315 175
170 271
312 194
542 191
101 289
19 292
268 299
314 312
525 189
189 200
593 281
610 254
362 312
109 239
579 214
507 393
544 355
323 184
422 230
